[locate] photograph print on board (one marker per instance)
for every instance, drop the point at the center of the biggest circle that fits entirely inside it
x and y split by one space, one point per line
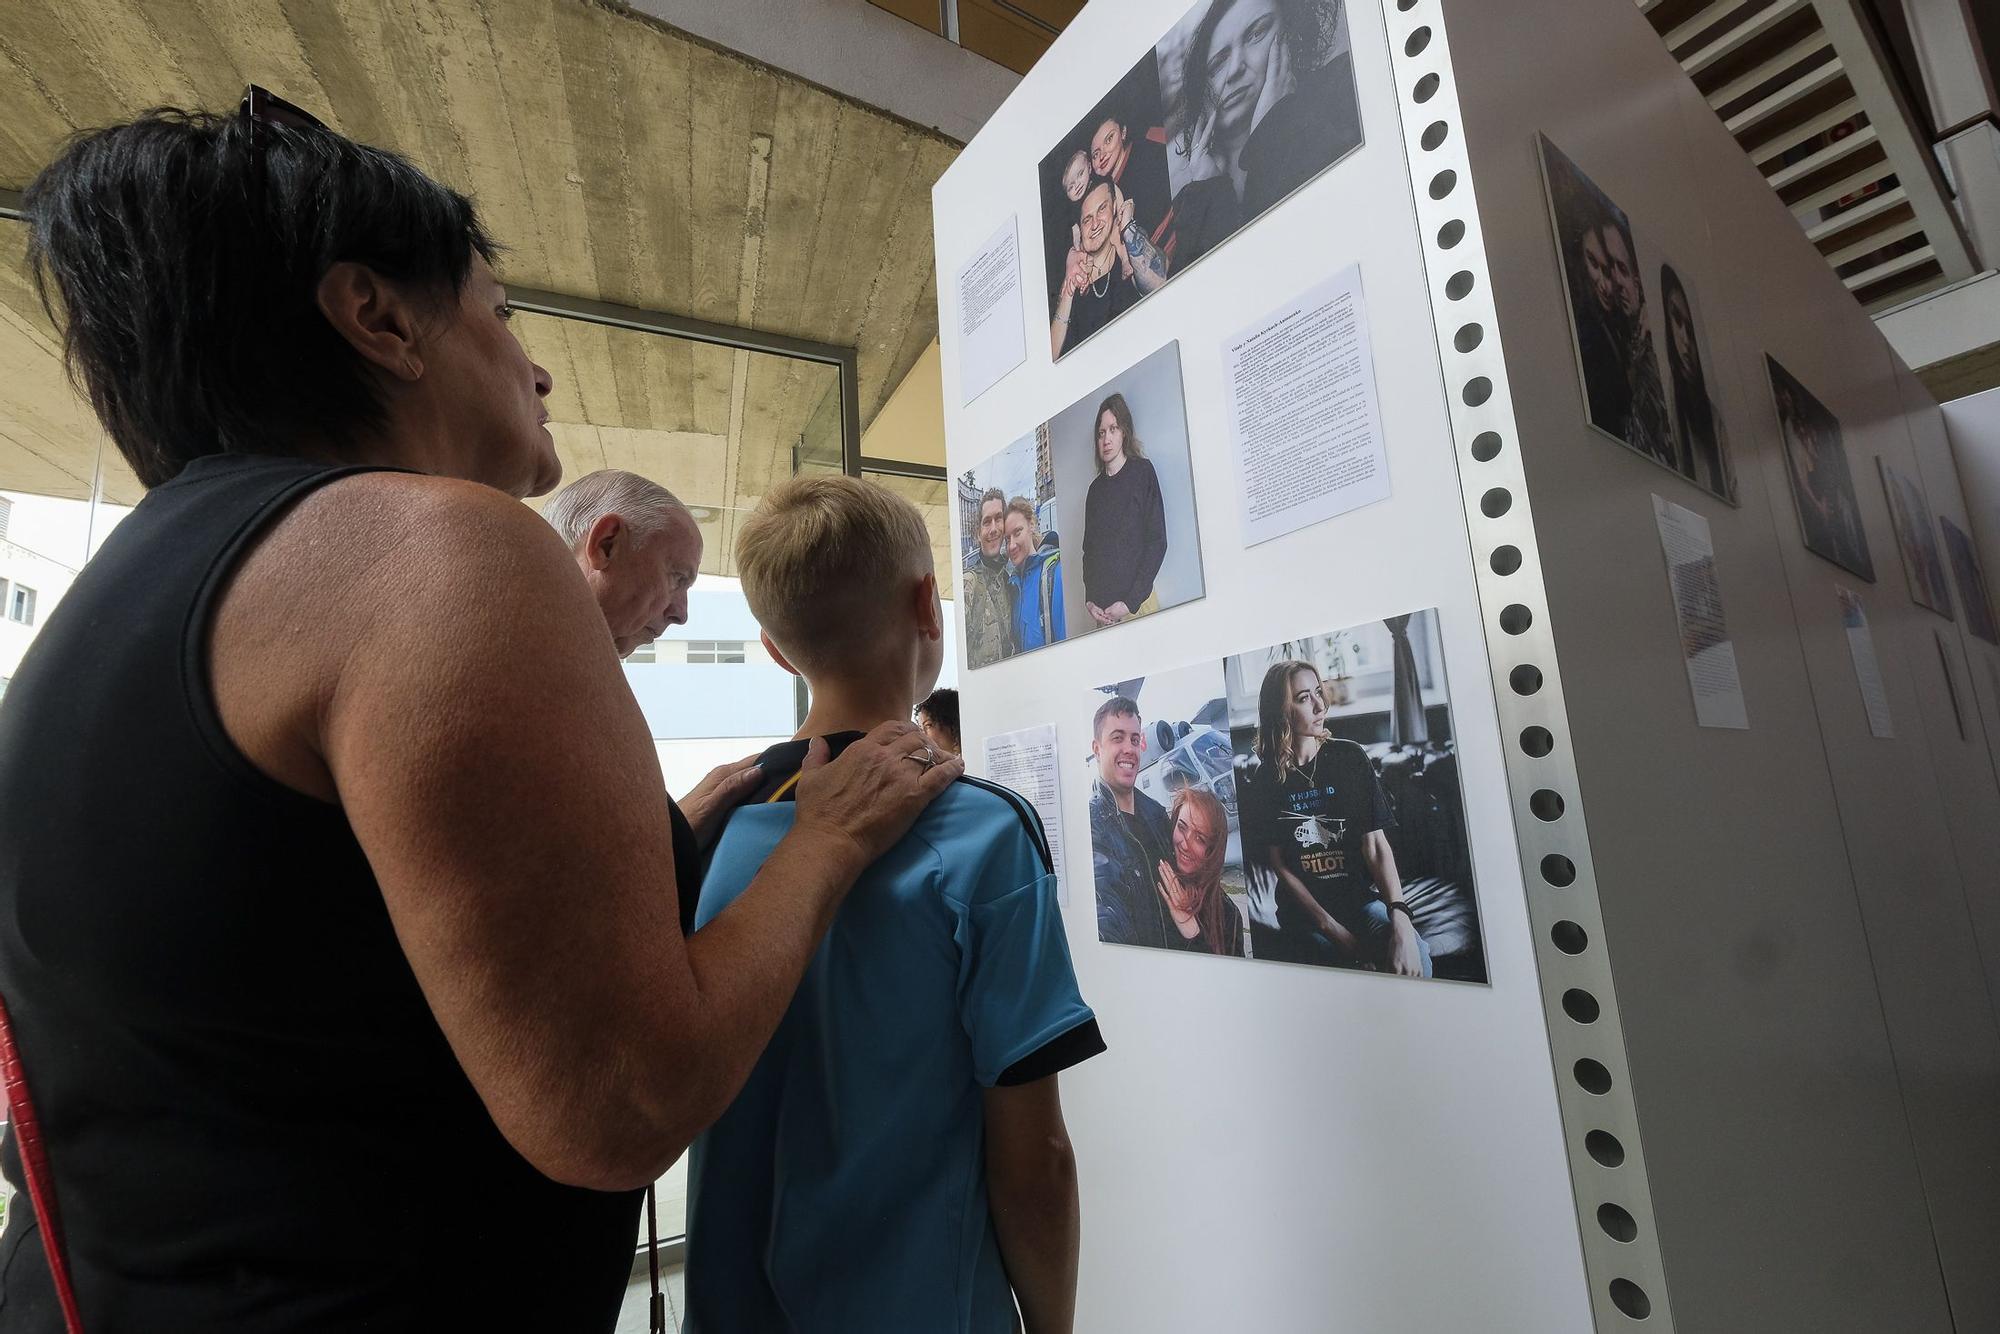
1822 484
1084 524
1624 396
1011 575
1700 445
1971 578
1299 804
1916 537
1237 106
1123 448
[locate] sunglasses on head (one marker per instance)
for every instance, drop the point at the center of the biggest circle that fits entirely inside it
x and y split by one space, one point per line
260 109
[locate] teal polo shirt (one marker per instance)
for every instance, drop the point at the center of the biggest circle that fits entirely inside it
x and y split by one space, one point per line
845 1188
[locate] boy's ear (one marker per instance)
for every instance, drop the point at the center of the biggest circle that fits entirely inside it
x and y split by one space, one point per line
776 656
930 611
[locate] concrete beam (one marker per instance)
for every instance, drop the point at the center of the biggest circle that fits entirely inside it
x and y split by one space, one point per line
1946 323
853 48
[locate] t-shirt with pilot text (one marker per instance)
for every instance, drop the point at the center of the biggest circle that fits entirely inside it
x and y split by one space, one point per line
1318 818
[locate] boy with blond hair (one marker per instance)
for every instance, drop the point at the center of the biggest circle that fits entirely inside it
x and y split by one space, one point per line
897 1159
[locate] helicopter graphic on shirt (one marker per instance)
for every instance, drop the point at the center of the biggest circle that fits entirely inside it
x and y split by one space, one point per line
1318 831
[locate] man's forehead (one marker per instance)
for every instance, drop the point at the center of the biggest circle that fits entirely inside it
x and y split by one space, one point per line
682 541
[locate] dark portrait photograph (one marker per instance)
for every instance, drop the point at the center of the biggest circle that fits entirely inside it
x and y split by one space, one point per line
1240 104
1916 537
1700 444
1972 591
1297 804
1822 484
1624 393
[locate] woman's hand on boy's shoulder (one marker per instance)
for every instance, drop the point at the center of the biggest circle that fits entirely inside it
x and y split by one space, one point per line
721 792
866 800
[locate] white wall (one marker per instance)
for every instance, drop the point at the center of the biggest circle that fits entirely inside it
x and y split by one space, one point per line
1974 426
1268 1147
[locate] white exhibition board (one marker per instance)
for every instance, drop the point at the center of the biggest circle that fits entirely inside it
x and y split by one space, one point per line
1273 1147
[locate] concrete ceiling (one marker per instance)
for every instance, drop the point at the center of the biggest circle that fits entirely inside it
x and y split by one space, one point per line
616 158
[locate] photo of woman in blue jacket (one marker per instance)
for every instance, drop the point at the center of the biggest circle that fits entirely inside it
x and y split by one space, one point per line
1036 574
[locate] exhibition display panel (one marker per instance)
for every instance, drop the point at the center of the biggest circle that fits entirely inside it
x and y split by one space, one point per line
1440 431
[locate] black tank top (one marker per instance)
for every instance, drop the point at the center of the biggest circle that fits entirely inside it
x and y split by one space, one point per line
253 1120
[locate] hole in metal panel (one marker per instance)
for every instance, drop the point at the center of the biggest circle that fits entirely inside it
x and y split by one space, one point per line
1580 1006
1630 1298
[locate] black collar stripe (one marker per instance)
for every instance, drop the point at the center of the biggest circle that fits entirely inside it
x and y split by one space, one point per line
1029 818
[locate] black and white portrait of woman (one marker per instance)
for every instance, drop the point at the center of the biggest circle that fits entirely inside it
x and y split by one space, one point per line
1260 99
1701 448
1609 314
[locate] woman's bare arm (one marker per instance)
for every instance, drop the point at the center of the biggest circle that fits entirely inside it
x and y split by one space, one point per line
457 685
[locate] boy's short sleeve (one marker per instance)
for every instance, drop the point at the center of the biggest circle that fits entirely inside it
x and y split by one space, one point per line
1017 992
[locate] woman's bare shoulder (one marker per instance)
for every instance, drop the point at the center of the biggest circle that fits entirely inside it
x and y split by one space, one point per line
421 536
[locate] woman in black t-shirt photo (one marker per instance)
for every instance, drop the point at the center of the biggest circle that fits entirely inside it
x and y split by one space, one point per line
1316 813
1124 522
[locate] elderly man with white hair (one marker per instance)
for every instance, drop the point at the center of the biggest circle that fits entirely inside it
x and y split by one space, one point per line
638 548
640 551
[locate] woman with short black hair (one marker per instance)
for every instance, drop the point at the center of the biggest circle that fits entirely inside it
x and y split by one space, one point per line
339 889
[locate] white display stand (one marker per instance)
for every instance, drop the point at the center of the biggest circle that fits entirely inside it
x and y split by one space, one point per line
1801 919
1265 1146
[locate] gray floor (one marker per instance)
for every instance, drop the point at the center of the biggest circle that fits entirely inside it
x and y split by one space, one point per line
632 1316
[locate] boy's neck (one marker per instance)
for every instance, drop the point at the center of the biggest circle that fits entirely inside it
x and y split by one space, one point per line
858 705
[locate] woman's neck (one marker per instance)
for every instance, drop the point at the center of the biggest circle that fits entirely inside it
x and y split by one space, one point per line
1304 748
1117 465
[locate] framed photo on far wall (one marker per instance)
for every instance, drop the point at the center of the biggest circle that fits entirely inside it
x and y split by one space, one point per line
1298 803
1700 441
1623 394
1916 537
1972 592
1239 104
1816 466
